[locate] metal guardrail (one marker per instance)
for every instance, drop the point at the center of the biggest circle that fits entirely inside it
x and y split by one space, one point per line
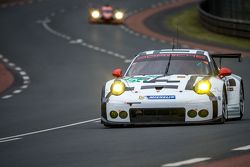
239 28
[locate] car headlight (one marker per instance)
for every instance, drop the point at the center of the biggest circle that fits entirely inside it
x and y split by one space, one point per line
119 15
95 14
202 87
117 88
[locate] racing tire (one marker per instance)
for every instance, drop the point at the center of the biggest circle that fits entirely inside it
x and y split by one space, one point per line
112 126
224 106
241 102
107 125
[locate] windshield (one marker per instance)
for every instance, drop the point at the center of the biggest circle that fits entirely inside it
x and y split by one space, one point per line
180 64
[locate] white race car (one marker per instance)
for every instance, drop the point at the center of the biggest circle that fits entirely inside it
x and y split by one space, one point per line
173 86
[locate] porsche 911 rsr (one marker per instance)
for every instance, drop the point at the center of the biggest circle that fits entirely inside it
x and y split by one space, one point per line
106 14
172 87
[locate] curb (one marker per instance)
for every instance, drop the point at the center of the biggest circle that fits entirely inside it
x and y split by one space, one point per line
13 79
6 78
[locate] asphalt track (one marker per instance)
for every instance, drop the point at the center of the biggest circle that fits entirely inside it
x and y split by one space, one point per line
54 122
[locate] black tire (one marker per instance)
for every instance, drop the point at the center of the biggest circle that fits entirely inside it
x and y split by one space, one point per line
241 102
224 106
107 125
112 126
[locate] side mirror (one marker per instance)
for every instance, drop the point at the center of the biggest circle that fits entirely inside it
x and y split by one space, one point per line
117 73
225 72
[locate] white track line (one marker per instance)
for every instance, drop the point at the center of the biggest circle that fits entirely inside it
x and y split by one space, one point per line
45 23
186 162
6 97
5 60
18 69
12 64
50 129
13 139
23 73
26 77
17 91
244 148
24 87
46 26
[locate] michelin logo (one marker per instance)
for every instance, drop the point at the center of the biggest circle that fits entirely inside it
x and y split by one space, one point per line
161 97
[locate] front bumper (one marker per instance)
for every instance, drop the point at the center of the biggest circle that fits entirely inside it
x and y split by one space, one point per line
106 21
111 123
164 111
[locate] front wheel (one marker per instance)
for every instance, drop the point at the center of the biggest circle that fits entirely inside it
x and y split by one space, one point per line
224 107
112 126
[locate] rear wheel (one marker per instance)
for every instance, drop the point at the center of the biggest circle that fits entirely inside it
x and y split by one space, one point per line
241 102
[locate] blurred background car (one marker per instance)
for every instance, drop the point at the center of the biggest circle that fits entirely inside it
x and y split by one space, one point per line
106 14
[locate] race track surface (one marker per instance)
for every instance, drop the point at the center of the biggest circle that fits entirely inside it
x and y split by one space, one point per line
50 117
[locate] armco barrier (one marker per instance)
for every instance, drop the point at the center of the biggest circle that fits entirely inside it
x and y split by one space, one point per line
239 28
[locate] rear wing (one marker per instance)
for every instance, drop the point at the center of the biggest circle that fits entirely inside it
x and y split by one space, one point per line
227 55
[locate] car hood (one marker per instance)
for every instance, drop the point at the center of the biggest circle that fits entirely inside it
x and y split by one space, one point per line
159 82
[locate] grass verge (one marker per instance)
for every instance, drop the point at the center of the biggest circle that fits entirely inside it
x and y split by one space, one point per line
190 26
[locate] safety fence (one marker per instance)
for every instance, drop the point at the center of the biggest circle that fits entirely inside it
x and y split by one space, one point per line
223 25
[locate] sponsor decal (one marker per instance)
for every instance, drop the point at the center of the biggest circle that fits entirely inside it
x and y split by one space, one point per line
141 78
161 97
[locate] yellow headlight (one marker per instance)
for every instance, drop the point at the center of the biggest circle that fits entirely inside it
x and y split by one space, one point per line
95 14
203 87
119 15
117 88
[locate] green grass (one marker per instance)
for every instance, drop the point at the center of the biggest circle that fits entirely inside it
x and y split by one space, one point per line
189 25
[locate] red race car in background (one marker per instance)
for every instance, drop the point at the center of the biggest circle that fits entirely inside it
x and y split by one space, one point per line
106 14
